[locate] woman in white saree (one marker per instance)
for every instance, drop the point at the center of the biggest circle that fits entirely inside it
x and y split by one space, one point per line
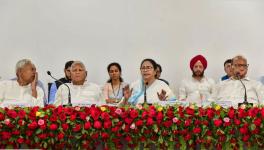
156 90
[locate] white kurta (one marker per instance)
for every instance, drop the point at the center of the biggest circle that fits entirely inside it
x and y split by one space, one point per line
151 91
231 92
194 91
12 94
81 95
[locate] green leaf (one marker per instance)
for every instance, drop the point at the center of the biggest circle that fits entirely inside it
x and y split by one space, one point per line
38 131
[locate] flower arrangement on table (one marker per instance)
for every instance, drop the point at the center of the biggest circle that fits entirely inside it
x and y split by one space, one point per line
163 126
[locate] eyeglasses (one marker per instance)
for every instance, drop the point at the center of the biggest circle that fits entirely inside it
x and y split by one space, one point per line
241 65
146 68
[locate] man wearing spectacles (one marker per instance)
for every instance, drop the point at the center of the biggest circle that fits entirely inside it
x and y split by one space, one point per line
231 91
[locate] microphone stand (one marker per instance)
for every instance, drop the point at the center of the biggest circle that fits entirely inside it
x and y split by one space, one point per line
245 102
69 91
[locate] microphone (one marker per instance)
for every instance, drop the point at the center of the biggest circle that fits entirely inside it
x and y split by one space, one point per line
245 102
145 94
69 91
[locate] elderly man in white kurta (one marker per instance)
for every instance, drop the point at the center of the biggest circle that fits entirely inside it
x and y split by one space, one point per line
198 88
23 91
231 91
82 92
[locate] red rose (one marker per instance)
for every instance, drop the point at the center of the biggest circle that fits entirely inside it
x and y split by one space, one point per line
187 137
262 112
190 111
77 128
210 113
43 127
115 129
65 126
257 122
60 136
105 116
6 135
167 123
144 114
128 120
21 122
243 130
139 123
97 125
107 124
170 113
252 112
197 130
87 125
20 140
133 113
105 135
245 138
187 122
2 116
95 113
82 115
33 125
21 114
73 117
12 114
42 136
231 113
53 126
53 118
218 122
29 133
237 122
16 132
150 121
128 138
95 136
62 117
152 113
159 116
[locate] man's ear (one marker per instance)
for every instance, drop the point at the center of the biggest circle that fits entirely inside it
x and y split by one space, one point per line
86 73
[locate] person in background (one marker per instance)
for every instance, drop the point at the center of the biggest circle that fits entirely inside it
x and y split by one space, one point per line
159 70
113 89
82 92
228 70
24 91
57 84
198 88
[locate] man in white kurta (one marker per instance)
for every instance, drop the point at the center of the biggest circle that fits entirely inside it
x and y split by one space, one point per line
137 95
12 94
198 88
231 92
23 91
81 95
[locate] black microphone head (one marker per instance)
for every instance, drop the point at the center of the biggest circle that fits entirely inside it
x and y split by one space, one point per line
48 72
146 83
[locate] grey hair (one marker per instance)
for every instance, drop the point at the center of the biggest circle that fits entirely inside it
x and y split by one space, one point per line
75 63
239 57
21 63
